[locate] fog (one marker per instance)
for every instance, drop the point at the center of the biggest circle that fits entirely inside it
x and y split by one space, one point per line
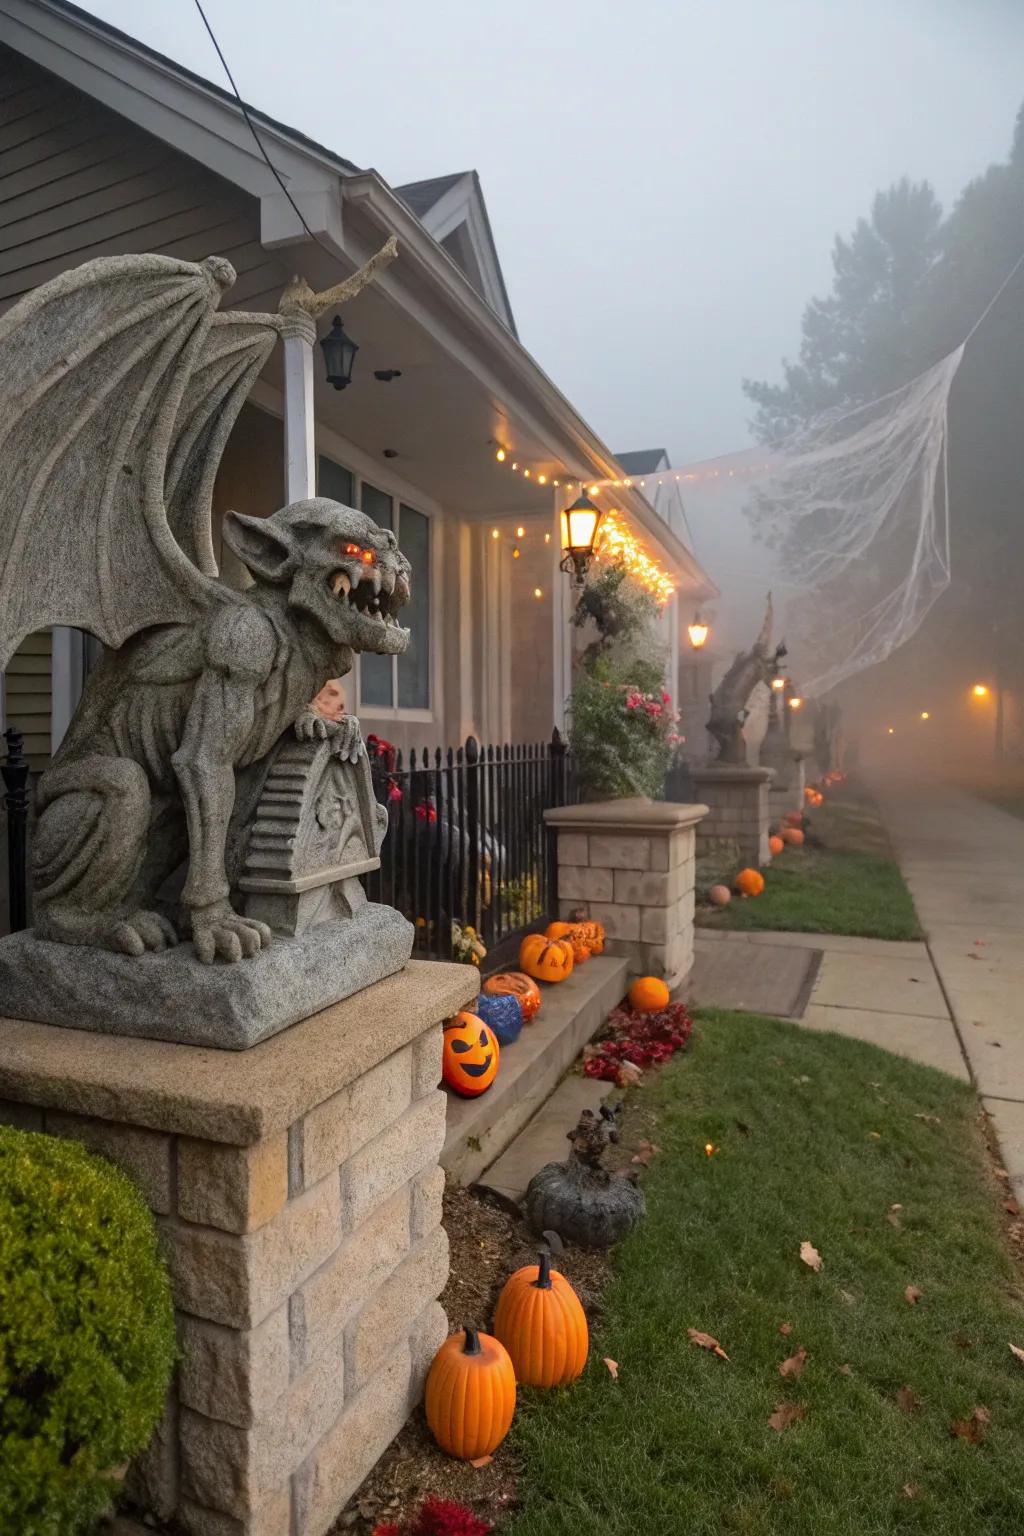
664 179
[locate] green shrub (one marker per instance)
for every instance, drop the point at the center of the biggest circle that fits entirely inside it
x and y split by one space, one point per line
86 1332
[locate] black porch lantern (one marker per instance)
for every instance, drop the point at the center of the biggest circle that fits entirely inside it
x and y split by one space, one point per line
339 355
580 523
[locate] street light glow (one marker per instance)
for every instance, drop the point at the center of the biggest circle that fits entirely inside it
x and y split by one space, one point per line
925 715
980 690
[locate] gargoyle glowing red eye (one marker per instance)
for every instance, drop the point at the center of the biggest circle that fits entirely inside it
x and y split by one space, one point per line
356 552
368 557
352 549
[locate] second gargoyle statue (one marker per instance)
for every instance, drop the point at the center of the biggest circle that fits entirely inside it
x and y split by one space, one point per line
199 834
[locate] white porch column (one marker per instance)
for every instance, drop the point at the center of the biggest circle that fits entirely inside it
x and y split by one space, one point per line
299 332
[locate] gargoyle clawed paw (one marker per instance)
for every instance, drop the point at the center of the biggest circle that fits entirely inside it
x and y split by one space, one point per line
344 734
142 931
219 931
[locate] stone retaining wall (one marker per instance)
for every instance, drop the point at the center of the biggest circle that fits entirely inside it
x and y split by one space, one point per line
298 1196
631 865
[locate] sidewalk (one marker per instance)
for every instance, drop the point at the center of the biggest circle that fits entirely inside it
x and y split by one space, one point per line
964 862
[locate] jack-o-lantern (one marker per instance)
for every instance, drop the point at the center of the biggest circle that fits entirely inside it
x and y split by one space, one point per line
516 984
503 1015
545 959
469 1061
574 934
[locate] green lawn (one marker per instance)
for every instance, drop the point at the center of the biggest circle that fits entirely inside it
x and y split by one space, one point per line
818 1139
851 884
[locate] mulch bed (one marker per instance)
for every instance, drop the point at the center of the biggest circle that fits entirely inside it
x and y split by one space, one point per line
487 1244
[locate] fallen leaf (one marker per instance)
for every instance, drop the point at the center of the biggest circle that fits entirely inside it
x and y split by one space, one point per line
613 1368
804 1079
912 1295
845 1370
786 1329
794 1366
810 1255
629 1074
972 1429
911 1490
786 1414
847 1299
1001 1173
1012 1207
644 1152
907 1400
895 1207
892 1216
875 1135
972 956
1016 1352
481 1461
929 1119
705 1341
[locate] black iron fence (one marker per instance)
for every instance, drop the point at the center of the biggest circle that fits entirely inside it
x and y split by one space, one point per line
467 847
14 770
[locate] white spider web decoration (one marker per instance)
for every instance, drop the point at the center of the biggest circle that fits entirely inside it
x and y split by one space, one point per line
850 518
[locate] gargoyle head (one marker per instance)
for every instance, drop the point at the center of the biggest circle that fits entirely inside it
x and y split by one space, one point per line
339 566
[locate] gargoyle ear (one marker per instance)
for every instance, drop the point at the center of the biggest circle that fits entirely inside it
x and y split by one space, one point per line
265 550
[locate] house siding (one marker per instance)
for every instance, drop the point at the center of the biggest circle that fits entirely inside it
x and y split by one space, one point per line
27 695
78 181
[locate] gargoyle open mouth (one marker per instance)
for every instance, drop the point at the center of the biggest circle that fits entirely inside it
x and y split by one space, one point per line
376 594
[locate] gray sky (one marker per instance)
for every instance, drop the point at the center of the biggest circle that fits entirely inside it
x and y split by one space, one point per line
664 177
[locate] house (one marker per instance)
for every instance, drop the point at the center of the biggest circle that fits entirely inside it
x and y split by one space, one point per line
450 432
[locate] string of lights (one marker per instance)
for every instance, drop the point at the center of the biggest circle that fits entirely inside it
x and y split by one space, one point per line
616 541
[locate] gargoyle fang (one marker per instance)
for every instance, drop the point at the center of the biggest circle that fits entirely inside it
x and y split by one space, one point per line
340 583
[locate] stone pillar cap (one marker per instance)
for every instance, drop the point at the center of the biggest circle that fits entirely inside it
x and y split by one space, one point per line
733 773
637 815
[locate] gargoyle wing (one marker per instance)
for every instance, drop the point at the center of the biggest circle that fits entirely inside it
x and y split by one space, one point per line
233 353
95 398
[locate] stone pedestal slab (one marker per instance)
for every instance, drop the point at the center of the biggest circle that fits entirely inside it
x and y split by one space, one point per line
298 1195
630 864
738 810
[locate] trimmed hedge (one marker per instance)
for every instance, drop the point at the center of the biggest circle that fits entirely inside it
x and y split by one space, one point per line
87 1340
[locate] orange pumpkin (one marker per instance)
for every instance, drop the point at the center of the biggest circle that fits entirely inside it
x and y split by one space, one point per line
470 1395
541 1323
558 930
545 959
775 846
519 985
719 895
648 994
577 938
595 937
750 882
469 1059
809 792
793 836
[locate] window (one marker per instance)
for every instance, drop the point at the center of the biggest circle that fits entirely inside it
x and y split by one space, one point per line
401 682
335 481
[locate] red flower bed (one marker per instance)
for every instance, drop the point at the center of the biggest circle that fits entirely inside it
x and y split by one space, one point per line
641 1039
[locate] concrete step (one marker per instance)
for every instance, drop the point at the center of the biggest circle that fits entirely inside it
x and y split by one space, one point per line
543 1139
480 1129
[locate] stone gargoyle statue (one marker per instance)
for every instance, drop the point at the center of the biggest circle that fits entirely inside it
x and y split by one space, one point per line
729 700
195 749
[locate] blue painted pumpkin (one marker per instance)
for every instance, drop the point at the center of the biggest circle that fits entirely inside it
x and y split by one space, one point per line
502 1014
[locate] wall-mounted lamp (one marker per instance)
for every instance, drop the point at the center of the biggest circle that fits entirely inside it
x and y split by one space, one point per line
339 355
698 630
580 523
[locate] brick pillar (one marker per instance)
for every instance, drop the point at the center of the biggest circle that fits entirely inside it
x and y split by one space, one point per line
298 1195
630 864
737 800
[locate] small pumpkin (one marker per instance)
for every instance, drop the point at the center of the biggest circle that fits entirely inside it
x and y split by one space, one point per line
545 959
541 1323
516 984
503 1015
719 895
793 819
648 994
809 792
469 1059
558 930
750 882
471 1395
793 836
775 846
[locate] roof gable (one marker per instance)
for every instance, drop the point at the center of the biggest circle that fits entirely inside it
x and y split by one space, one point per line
452 209
643 461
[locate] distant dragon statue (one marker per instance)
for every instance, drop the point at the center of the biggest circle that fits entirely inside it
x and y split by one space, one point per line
729 700
119 385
